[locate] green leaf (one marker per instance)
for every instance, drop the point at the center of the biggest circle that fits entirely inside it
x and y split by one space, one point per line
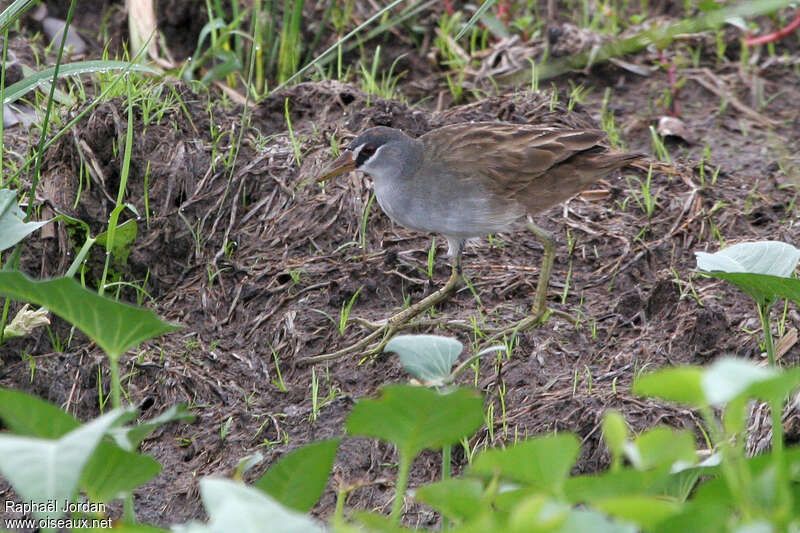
706 6
376 523
646 511
580 521
415 418
123 239
114 326
457 499
538 513
297 480
727 378
129 437
761 269
615 432
44 470
626 482
13 11
677 384
429 358
28 415
17 90
713 515
13 228
233 506
246 463
662 447
761 287
110 470
542 462
778 387
756 526
772 258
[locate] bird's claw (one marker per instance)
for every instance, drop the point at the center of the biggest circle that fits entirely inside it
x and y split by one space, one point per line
366 345
370 324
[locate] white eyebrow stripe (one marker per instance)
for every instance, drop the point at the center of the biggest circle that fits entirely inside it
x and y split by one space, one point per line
370 158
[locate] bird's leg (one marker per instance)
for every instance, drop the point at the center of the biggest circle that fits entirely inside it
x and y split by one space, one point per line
539 312
549 244
432 299
384 332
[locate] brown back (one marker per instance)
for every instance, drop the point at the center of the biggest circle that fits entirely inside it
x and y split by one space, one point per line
537 167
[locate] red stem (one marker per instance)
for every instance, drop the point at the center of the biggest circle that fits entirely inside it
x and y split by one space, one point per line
774 36
504 12
673 85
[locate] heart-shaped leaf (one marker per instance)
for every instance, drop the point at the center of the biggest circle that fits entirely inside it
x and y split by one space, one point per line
772 258
761 269
114 326
13 227
646 511
429 358
44 470
459 499
416 418
661 447
233 506
728 378
297 480
542 462
110 471
678 384
123 239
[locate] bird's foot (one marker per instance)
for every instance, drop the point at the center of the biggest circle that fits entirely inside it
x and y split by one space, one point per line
384 330
370 345
512 330
373 325
529 322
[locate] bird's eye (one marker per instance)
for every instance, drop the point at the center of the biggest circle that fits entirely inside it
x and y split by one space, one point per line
365 153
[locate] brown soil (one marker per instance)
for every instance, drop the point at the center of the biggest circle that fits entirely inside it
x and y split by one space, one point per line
251 259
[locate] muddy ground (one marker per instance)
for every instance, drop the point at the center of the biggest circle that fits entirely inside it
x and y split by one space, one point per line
253 261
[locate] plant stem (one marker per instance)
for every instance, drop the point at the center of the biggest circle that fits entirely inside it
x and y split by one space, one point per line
445 475
782 496
763 314
400 488
338 513
116 399
129 516
732 463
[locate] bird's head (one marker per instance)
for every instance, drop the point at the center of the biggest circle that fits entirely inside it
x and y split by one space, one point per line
379 150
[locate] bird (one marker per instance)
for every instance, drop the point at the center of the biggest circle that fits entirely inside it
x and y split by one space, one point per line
472 179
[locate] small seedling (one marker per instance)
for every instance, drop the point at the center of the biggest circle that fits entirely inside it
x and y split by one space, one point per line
431 263
644 197
226 426
659 148
314 395
279 381
292 138
362 227
430 358
344 314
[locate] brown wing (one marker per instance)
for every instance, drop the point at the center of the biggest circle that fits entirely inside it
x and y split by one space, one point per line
537 167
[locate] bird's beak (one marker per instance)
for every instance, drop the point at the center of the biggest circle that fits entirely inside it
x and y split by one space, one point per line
344 163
